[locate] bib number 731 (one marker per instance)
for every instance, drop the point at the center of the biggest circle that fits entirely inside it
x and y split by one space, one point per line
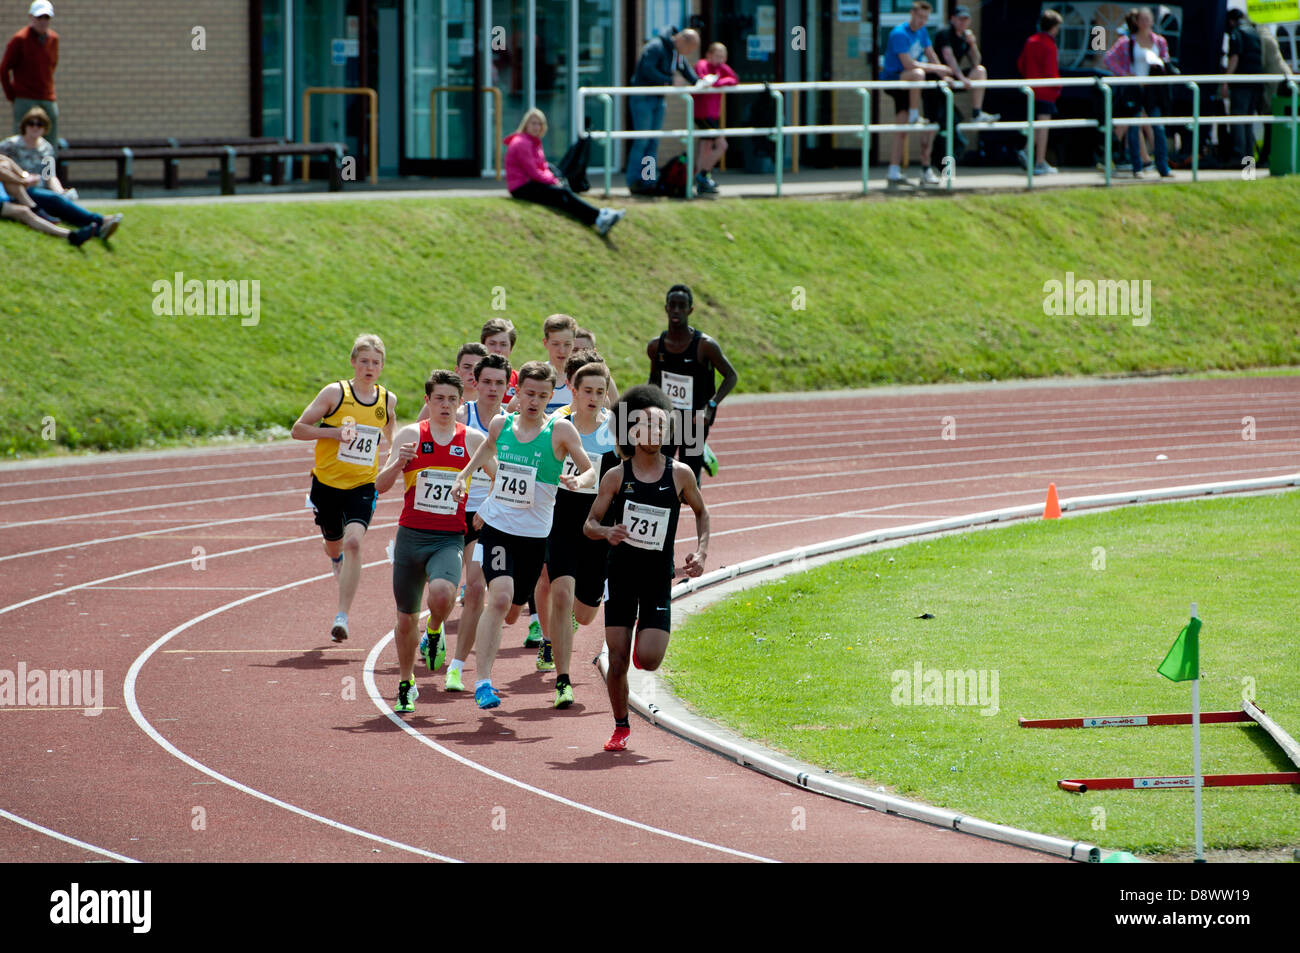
647 526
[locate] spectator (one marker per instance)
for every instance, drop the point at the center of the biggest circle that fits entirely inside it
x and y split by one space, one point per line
1038 60
909 57
708 113
33 154
1245 56
665 61
956 42
1142 52
27 69
529 178
16 205
1274 62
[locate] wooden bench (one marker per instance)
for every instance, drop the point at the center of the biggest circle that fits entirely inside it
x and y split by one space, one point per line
172 151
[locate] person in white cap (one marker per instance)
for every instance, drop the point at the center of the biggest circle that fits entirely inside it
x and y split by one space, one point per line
27 70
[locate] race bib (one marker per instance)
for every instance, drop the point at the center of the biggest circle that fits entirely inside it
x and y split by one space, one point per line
514 485
433 492
363 448
571 469
679 388
647 526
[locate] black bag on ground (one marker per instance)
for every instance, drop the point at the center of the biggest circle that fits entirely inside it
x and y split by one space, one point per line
574 165
672 178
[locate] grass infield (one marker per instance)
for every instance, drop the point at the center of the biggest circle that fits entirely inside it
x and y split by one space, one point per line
803 295
1072 616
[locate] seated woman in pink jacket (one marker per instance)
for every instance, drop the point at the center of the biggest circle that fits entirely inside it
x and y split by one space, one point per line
529 178
712 71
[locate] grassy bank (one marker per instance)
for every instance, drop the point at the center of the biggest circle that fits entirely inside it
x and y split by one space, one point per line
802 294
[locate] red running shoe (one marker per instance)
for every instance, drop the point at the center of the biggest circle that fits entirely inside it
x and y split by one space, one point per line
618 740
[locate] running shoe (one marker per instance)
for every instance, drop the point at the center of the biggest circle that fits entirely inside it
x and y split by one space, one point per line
618 740
339 633
453 682
534 638
486 697
545 658
460 597
564 696
434 652
407 693
930 177
710 461
440 654
575 622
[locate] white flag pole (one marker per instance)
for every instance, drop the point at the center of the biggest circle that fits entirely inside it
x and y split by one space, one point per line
1196 749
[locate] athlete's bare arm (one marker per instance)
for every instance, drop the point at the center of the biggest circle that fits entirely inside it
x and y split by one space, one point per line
565 441
689 490
592 528
307 427
474 440
712 352
487 451
402 453
462 414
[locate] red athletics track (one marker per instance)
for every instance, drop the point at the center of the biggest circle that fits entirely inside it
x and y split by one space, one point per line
98 562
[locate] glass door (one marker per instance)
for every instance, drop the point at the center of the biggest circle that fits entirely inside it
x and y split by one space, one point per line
438 77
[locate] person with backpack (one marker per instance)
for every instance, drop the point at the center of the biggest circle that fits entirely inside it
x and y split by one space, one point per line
529 178
1143 52
665 61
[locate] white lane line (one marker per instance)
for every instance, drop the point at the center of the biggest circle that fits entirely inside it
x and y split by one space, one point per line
181 588
157 487
65 838
134 707
372 689
153 532
119 474
178 562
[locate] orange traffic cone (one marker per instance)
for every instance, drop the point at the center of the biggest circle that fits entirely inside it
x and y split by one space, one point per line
1052 511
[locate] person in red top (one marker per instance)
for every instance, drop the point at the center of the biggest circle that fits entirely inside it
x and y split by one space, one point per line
27 70
1039 60
529 178
713 71
431 530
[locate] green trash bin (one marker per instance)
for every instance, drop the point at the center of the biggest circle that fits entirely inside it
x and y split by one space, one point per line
1279 160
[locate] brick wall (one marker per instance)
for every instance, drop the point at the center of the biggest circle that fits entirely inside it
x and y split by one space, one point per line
126 68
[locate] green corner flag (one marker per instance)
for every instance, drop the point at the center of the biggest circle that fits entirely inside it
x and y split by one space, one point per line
1183 663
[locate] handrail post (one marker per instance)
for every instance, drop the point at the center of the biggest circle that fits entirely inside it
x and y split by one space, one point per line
950 160
1108 149
1030 152
608 102
1196 131
1295 118
780 137
866 134
306 131
690 144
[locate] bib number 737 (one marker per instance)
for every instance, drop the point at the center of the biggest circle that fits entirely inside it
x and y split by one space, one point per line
433 492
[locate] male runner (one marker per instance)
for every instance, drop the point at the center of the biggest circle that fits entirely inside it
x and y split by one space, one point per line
585 340
431 530
491 374
682 363
346 420
643 498
530 449
498 336
575 564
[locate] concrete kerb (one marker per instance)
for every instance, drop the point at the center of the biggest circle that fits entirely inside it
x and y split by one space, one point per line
656 702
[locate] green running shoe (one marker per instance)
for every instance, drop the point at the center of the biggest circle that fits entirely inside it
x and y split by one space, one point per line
534 638
575 623
433 652
545 660
564 696
453 682
407 693
710 461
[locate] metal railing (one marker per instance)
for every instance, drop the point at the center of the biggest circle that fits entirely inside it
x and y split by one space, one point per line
366 91
777 133
433 116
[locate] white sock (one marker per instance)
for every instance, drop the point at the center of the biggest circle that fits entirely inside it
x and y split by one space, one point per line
481 682
456 665
913 115
532 618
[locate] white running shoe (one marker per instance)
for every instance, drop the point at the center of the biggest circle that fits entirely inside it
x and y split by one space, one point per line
982 116
929 177
339 633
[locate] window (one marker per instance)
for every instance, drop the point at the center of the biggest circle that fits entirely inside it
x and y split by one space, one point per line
1088 25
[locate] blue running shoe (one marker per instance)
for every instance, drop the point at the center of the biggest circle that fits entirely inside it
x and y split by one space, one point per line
485 696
